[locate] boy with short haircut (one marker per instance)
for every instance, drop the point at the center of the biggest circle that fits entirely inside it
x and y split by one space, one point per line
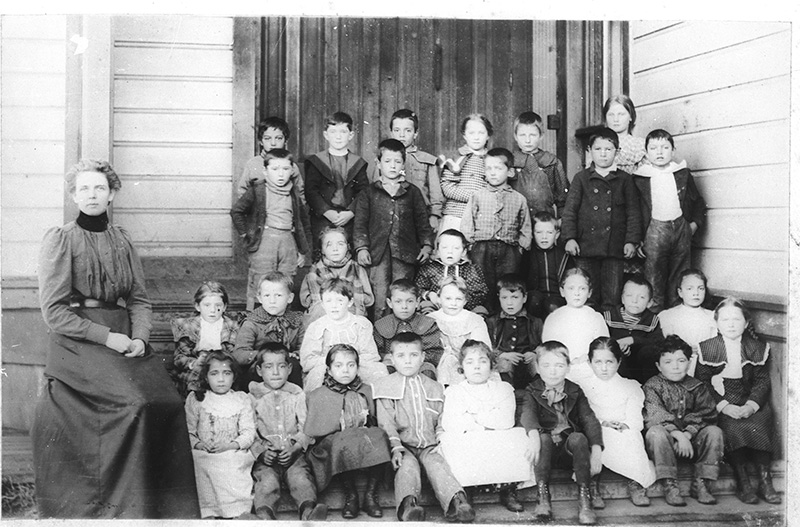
546 263
409 409
540 177
450 260
421 168
273 222
680 419
391 232
636 329
497 223
273 132
562 429
280 409
515 335
602 219
334 177
272 321
672 212
403 302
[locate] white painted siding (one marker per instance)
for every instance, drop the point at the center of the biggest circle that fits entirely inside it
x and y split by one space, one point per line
172 132
32 96
722 89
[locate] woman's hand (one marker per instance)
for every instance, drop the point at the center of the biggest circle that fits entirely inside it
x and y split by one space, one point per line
202 446
118 342
136 348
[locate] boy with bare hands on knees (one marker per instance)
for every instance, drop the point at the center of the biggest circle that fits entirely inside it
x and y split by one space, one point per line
409 409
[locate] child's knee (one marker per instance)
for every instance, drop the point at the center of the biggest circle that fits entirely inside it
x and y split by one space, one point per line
577 443
713 436
657 435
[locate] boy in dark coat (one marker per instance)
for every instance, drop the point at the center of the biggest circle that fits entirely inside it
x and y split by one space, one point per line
602 222
561 425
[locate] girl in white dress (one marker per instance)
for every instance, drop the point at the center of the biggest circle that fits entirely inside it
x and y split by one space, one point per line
221 430
689 319
617 402
479 442
457 325
575 325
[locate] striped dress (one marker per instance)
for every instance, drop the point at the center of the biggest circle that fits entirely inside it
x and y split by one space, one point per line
458 187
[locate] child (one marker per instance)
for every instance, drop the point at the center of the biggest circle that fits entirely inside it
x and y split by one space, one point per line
546 263
515 334
478 417
338 326
602 220
343 423
680 417
618 403
451 260
273 132
575 325
735 367
690 320
457 325
421 168
496 222
335 262
221 430
560 425
195 337
635 329
540 177
273 222
272 321
280 409
619 114
391 245
334 177
672 212
409 411
403 302
462 177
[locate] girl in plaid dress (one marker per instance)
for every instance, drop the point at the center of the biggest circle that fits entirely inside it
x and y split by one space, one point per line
463 174
196 336
735 366
619 114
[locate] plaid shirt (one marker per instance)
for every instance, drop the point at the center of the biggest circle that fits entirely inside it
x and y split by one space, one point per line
498 213
630 154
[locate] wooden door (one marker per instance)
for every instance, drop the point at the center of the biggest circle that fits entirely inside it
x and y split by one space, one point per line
444 69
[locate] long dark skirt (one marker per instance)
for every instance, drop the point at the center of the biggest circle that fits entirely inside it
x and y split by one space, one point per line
109 436
349 449
754 432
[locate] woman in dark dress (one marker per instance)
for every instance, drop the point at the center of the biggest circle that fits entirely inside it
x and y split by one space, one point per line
109 436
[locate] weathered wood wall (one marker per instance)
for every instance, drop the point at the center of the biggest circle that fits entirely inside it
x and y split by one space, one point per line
443 69
722 89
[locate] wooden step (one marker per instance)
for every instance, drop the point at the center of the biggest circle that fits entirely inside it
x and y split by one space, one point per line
18 467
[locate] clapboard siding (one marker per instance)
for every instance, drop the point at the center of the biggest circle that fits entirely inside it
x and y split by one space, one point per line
172 132
722 89
744 273
32 94
769 57
652 53
707 110
730 187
